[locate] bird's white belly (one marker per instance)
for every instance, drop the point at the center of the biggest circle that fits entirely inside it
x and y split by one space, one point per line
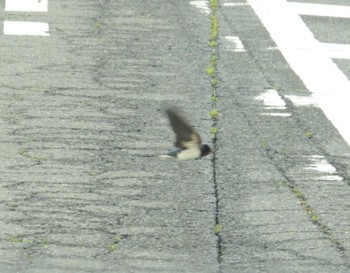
189 154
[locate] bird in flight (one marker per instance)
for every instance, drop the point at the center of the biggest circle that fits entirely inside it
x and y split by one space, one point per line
188 143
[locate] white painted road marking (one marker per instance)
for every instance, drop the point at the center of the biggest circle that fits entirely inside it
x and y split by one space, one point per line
234 44
239 4
26 28
329 86
320 164
320 10
302 100
203 6
273 101
26 5
23 27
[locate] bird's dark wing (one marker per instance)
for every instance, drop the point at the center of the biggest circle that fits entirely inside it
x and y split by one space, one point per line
186 137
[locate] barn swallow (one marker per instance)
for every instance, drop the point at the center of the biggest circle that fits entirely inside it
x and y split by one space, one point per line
188 143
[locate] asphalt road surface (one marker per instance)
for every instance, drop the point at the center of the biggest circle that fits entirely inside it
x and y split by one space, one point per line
82 124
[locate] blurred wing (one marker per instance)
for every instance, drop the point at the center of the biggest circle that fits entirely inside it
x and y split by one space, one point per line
186 137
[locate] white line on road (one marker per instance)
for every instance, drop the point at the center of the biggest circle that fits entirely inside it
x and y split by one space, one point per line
234 44
26 5
239 4
302 100
329 86
273 102
320 164
271 99
203 6
320 10
26 28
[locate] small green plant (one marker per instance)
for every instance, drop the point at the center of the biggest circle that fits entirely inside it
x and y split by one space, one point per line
35 88
113 246
280 152
92 173
303 202
213 60
265 145
214 5
214 131
281 184
298 192
23 152
14 239
98 24
45 242
314 217
214 27
217 229
214 98
210 71
214 113
309 134
212 43
214 83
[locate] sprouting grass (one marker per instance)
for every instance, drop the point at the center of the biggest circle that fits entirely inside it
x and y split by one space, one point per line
214 98
25 153
309 134
217 229
303 202
14 239
114 245
214 5
214 83
211 69
214 113
98 24
212 44
214 131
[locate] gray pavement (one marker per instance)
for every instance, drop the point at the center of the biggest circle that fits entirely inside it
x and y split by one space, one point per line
81 126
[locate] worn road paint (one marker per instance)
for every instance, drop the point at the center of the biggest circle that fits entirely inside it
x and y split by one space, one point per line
234 4
273 101
320 10
234 43
272 114
26 28
203 6
26 5
320 164
302 100
329 86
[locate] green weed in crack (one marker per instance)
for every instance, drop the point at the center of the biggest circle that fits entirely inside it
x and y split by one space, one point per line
211 71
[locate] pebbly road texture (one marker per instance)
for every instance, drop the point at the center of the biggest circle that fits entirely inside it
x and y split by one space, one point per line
82 125
280 211
82 187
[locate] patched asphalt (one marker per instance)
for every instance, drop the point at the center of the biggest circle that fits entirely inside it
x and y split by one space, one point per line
82 124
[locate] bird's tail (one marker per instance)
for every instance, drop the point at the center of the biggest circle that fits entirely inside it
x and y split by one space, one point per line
166 156
171 154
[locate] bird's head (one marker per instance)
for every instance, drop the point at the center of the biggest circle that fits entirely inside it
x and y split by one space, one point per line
205 150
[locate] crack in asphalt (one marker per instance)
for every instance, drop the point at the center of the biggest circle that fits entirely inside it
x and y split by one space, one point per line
306 206
217 227
212 73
